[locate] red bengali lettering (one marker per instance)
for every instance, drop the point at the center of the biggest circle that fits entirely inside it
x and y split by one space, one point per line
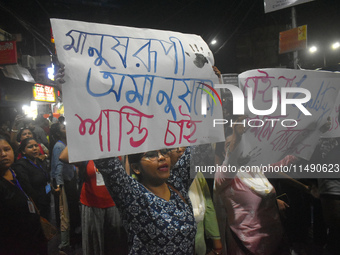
188 124
126 111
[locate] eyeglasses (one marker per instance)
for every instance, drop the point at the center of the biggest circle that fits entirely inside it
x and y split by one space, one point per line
153 155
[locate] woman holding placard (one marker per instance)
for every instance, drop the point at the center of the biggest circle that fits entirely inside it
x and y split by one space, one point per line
156 210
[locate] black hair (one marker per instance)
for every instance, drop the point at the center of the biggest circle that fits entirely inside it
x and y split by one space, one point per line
135 158
24 143
8 140
5 138
54 135
61 119
22 130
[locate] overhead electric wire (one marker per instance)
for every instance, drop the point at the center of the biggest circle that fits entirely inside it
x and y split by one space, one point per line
42 7
29 28
237 28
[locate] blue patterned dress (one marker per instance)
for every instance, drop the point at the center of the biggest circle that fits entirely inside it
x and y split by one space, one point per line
154 225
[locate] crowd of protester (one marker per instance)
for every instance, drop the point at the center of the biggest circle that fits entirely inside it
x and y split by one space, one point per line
148 203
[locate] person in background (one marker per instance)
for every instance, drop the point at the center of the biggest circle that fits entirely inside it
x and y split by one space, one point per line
25 133
52 119
204 211
40 134
17 125
45 125
329 192
205 216
61 119
19 134
5 130
64 179
246 204
21 231
33 176
102 229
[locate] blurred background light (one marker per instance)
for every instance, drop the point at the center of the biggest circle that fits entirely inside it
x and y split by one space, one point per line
313 49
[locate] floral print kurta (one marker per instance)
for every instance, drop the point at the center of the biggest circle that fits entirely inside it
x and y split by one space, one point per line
154 225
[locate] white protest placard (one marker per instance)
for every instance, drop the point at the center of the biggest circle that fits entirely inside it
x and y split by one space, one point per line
274 5
269 138
130 90
334 129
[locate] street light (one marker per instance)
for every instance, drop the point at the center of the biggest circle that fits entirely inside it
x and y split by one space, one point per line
313 49
213 42
335 45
